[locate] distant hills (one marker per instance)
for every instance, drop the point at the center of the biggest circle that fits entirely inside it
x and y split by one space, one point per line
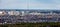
32 10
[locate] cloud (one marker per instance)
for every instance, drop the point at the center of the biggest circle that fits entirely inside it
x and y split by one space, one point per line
13 4
42 4
45 1
30 4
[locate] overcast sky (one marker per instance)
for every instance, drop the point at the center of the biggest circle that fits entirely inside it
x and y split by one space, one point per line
30 4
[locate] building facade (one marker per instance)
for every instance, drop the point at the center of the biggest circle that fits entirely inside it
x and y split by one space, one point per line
31 16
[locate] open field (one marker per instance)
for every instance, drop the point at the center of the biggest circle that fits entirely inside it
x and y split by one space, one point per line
44 24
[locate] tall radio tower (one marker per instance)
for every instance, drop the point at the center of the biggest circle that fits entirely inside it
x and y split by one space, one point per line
27 1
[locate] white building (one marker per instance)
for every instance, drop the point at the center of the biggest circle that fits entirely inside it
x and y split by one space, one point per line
2 13
35 13
23 13
13 13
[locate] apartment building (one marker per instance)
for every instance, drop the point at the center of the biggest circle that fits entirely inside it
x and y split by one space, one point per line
28 16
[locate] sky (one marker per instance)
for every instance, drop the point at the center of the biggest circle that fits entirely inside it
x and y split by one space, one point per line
30 4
